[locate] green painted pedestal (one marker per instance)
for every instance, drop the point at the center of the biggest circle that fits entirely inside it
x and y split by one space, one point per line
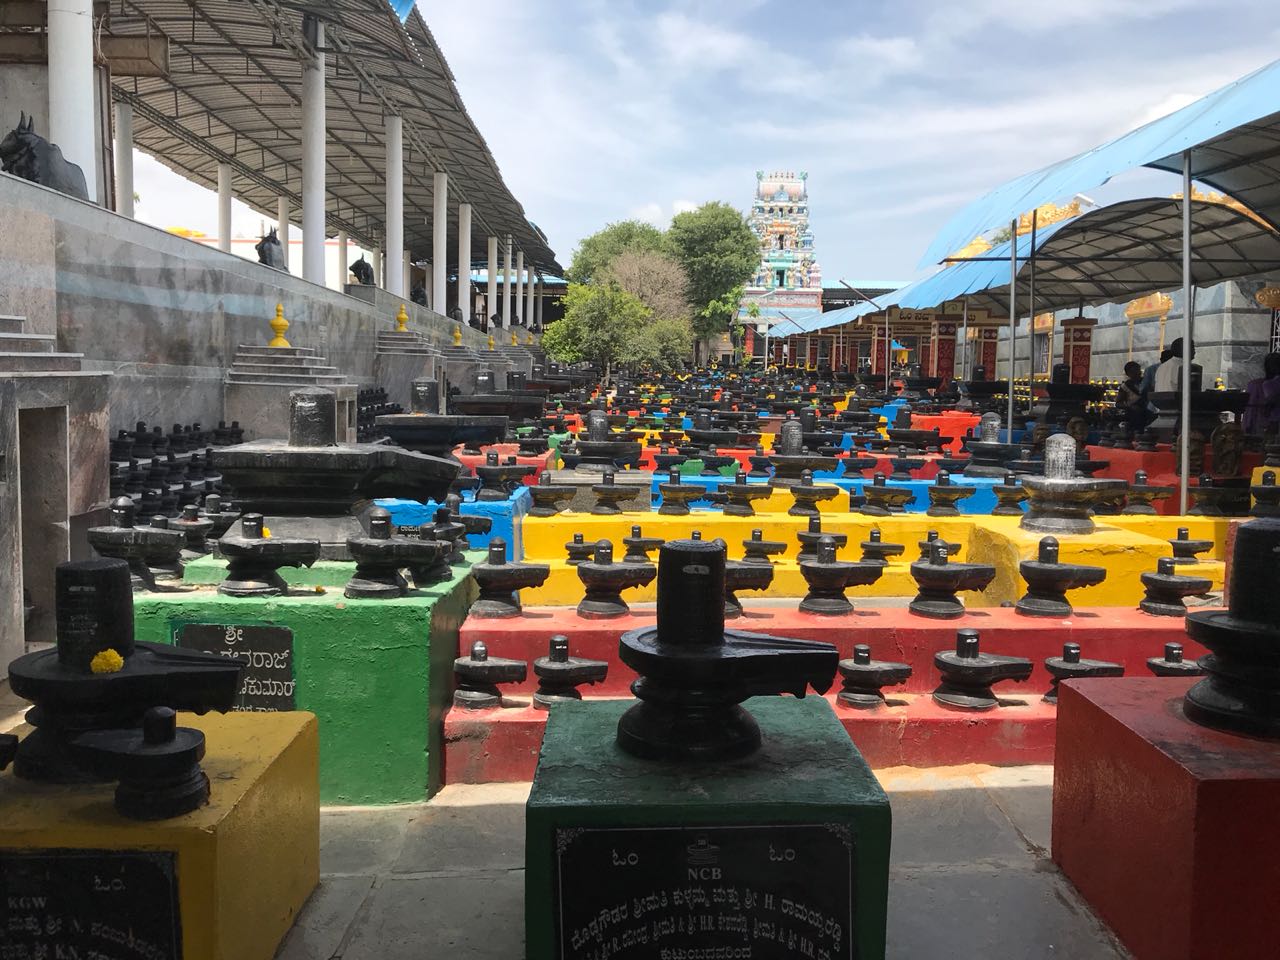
784 854
377 673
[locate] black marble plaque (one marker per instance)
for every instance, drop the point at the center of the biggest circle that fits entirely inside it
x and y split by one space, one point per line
267 684
764 892
115 905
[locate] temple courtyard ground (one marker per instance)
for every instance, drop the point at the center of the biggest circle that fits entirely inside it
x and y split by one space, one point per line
970 875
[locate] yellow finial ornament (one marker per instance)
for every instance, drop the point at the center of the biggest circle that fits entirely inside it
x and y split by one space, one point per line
402 320
457 336
491 341
278 326
515 339
529 338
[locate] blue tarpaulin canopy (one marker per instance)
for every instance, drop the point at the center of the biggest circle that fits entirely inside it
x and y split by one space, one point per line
1233 135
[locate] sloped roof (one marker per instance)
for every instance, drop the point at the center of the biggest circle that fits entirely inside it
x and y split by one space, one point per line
234 94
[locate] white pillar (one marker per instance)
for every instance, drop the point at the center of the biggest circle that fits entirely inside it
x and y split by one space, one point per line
491 277
377 266
282 226
542 296
407 277
528 303
124 158
71 86
464 261
343 268
519 283
440 242
395 202
506 284
313 136
224 207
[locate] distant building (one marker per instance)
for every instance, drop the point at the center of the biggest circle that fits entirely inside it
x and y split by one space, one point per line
788 277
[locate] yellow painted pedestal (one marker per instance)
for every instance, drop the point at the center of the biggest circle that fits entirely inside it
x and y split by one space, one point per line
245 863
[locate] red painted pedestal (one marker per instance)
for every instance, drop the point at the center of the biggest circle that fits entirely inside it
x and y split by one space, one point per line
1167 828
544 461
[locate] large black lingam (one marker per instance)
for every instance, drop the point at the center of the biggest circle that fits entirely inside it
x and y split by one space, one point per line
599 449
790 457
694 674
1242 690
1060 502
315 488
988 457
104 704
427 431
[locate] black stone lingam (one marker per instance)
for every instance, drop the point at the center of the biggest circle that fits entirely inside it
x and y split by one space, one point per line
605 580
609 495
903 465
931 538
309 486
477 677
1060 502
968 674
578 550
694 674
741 575
1222 497
863 678
559 675
988 457
790 457
761 465
1141 496
95 693
668 459
944 495
713 462
1172 664
599 448
1147 442
1048 582
450 530
1185 549
381 555
1166 589
548 497
1266 496
758 550
806 495
1009 497
939 581
828 578
532 445
1070 666
740 494
882 499
434 565
639 546
195 529
809 539
151 552
254 560
1241 691
498 481
500 582
220 512
677 496
876 550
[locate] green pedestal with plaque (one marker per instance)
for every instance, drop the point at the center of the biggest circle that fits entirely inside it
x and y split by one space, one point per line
783 854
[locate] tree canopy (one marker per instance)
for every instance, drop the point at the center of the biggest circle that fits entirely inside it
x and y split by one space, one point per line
595 252
653 278
602 323
719 252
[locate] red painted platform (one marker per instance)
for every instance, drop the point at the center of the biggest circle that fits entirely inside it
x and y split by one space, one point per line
545 461
951 424
1167 828
501 745
1122 636
1161 467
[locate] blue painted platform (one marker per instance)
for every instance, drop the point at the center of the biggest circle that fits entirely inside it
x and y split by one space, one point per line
507 516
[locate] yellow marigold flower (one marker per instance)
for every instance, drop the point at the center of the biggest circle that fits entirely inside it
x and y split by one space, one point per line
106 661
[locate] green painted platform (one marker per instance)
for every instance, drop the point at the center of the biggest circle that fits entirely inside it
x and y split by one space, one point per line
636 859
377 673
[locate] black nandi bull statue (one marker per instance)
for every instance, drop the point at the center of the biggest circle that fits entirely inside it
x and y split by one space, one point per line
26 154
271 251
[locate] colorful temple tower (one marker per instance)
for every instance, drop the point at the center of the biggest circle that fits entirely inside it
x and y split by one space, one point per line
788 279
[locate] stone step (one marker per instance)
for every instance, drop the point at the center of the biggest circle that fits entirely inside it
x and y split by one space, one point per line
266 359
262 350
285 369
28 342
408 351
239 376
29 362
12 324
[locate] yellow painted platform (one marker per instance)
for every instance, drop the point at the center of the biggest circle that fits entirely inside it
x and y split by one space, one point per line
246 862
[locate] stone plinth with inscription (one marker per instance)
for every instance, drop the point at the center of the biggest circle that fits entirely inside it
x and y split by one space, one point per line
782 854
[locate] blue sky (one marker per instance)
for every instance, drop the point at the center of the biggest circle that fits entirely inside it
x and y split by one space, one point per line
599 110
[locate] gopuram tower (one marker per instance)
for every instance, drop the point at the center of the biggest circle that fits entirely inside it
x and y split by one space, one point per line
788 276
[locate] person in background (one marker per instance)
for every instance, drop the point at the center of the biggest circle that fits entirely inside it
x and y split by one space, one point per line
1129 399
1262 414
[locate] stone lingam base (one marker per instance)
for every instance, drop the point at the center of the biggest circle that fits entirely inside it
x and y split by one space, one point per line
583 480
639 829
1173 879
226 880
379 738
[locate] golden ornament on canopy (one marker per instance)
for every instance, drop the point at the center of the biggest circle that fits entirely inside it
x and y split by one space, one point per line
1046 214
1268 297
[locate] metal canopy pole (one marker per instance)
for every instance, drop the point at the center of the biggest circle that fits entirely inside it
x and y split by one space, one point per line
1013 319
964 340
1188 324
888 344
1031 315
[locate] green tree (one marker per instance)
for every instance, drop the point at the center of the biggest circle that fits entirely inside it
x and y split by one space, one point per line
719 253
602 323
595 252
665 343
655 279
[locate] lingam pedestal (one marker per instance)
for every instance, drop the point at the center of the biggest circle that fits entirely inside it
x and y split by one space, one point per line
1166 590
559 675
500 582
939 580
790 457
828 578
1048 581
684 797
1059 502
740 495
863 678
1071 666
604 581
944 495
988 457
1141 496
968 673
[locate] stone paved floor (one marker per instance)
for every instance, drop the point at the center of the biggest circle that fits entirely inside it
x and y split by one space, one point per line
970 875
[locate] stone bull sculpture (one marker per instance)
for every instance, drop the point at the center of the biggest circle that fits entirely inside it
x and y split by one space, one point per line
271 251
24 153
